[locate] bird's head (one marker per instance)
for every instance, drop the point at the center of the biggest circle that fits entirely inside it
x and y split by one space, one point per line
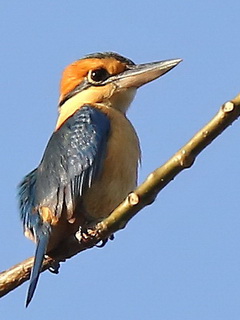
105 78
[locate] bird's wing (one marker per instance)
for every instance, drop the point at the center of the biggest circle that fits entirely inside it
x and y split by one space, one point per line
72 161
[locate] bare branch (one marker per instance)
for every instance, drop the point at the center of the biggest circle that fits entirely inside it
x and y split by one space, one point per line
144 195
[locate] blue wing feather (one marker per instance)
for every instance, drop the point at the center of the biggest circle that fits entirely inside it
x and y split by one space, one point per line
73 159
27 199
71 162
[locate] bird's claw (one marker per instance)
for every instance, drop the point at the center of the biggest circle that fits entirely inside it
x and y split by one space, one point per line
101 243
89 235
54 268
104 241
86 235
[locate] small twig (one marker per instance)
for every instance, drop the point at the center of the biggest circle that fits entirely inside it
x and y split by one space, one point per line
144 195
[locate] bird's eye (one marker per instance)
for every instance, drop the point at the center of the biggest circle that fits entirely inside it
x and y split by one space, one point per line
98 75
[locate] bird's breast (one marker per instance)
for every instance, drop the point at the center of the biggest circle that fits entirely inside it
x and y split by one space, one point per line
119 173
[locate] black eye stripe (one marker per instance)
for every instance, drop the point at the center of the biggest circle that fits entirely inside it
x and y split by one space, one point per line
82 86
95 77
99 75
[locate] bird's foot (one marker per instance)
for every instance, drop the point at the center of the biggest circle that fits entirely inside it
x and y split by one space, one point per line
88 236
103 242
54 268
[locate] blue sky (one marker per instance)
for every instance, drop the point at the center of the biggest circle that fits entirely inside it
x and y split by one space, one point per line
180 257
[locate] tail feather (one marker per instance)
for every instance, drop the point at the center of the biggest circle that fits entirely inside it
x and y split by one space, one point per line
42 236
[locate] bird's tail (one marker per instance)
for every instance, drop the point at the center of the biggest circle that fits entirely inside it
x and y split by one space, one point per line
42 235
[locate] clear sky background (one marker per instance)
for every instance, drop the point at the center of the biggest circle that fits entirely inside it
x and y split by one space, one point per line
178 259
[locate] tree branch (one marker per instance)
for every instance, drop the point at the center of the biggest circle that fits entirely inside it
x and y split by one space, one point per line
144 195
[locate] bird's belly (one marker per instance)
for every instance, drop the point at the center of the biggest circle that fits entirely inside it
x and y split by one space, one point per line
119 175
109 191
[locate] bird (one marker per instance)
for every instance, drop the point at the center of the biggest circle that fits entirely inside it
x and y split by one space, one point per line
91 161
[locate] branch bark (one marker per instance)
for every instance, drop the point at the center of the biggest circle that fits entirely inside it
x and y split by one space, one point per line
144 195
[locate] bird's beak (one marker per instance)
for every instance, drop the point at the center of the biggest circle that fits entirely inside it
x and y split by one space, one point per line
141 74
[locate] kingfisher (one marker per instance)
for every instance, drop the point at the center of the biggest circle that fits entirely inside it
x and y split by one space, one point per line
90 163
